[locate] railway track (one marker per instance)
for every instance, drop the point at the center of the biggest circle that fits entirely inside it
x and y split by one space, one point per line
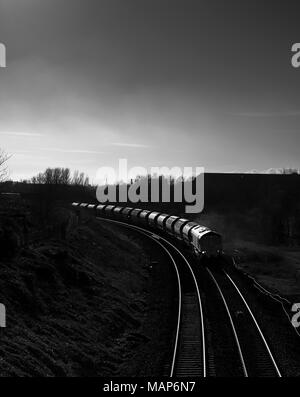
189 351
244 350
255 355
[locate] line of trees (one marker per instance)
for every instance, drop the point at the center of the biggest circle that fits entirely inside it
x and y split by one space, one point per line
60 176
283 171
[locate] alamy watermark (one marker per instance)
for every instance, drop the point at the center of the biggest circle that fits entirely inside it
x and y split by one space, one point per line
296 316
158 184
295 60
2 56
2 316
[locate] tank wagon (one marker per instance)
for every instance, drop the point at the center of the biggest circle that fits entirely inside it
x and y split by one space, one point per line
203 241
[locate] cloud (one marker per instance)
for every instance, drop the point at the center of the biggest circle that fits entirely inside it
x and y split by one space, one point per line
60 150
267 114
133 145
15 133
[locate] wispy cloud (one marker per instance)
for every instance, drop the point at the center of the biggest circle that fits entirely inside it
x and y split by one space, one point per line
133 145
16 133
61 150
30 157
268 114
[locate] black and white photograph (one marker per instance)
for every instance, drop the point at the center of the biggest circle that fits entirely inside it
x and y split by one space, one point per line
149 192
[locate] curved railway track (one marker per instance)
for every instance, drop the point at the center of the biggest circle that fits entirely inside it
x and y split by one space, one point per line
246 347
255 354
189 352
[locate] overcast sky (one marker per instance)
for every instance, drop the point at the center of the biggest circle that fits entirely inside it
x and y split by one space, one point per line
160 82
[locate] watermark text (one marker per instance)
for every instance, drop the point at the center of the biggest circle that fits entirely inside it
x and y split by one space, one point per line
2 316
296 316
159 184
295 60
2 56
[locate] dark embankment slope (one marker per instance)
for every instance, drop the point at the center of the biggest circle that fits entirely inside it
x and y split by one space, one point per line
81 307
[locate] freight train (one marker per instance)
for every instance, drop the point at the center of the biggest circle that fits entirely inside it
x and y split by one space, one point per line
203 241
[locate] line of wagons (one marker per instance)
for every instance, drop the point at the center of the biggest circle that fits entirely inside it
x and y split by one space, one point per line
201 239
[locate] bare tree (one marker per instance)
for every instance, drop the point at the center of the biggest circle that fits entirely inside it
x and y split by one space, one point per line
290 171
65 176
60 176
80 179
76 178
86 181
3 168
